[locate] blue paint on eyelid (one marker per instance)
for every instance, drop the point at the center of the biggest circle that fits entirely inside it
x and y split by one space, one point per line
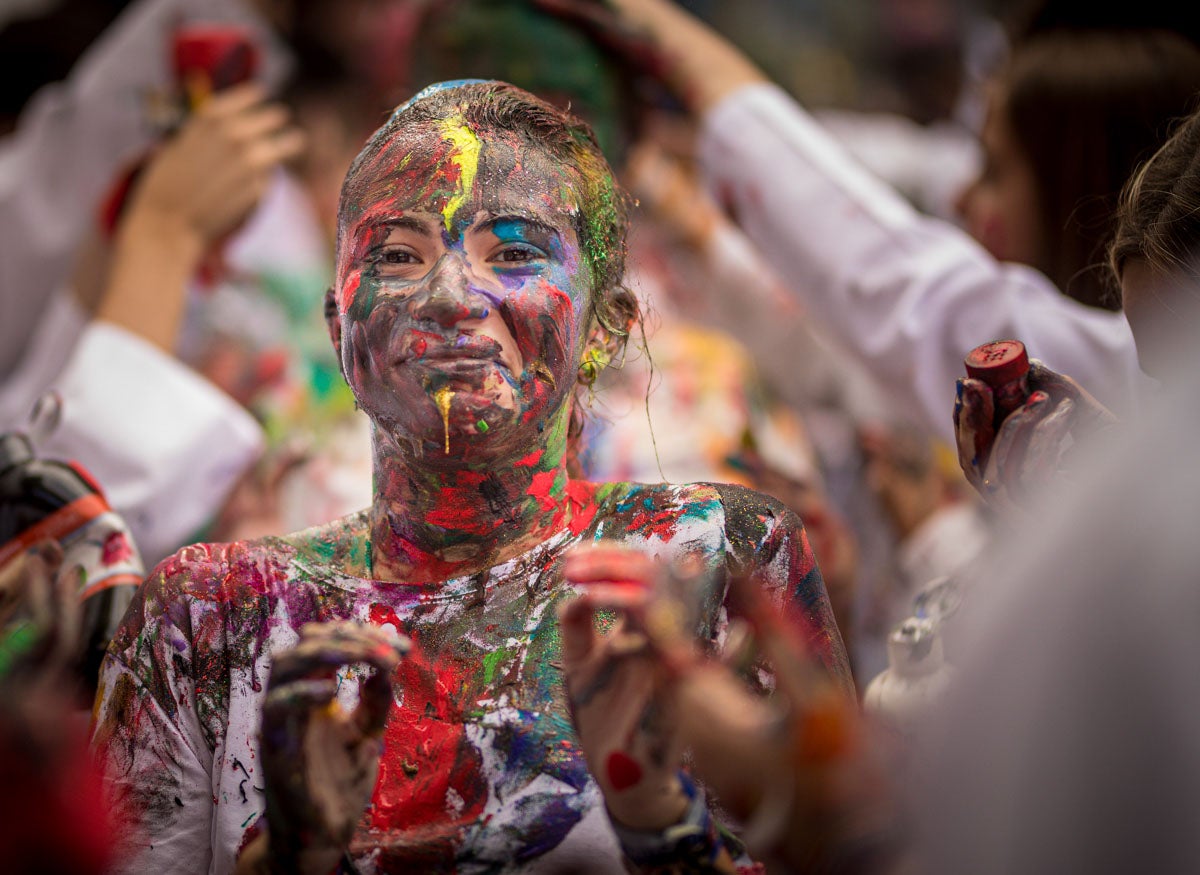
516 230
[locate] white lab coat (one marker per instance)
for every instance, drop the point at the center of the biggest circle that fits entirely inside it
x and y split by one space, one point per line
908 296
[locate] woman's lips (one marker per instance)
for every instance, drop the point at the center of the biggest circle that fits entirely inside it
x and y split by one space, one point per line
463 350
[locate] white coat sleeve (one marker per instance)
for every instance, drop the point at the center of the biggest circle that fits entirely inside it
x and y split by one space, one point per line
906 295
165 444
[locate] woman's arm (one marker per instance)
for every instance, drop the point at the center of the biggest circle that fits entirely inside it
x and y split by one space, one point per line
906 295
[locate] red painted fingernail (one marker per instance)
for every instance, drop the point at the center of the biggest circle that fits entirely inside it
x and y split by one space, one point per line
623 770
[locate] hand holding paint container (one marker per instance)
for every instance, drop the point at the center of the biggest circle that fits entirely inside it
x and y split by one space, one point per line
208 58
1004 366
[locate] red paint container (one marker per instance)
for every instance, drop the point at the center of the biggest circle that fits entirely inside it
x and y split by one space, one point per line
1004 366
212 57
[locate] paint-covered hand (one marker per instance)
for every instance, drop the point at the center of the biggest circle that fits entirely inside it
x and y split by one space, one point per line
1033 443
319 761
795 769
626 726
40 614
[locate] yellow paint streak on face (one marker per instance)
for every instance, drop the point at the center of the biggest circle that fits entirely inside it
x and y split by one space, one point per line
442 399
465 158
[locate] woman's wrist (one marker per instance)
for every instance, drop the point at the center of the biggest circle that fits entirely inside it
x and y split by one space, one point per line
650 808
145 226
154 260
691 842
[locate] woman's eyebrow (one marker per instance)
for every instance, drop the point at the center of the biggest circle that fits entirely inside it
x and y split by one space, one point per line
384 224
521 220
407 223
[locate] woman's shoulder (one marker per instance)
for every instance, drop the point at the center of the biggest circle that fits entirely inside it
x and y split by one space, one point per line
746 517
257 566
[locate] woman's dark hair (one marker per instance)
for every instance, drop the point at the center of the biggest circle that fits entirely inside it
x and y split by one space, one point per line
1086 107
602 221
1158 220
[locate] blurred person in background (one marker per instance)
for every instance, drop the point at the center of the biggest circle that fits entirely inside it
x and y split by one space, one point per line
100 322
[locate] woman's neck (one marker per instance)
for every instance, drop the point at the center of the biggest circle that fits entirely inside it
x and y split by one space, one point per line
431 522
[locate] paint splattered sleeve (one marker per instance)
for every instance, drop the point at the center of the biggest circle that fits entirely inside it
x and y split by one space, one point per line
148 737
768 542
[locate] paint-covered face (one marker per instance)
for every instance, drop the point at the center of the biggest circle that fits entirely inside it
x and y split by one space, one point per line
462 292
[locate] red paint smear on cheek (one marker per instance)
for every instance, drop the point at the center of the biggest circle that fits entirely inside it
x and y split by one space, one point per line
622 770
348 290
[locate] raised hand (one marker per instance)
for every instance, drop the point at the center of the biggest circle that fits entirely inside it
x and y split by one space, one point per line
210 175
197 187
319 761
797 769
660 40
626 727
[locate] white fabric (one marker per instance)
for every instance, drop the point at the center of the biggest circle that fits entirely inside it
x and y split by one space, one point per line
929 164
1072 743
165 444
907 295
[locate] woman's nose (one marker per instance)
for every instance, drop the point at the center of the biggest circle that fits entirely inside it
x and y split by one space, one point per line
449 297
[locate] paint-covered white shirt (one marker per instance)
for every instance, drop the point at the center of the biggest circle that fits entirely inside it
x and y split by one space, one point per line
908 296
481 769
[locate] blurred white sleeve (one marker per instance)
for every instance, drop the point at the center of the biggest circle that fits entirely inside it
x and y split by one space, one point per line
908 296
166 445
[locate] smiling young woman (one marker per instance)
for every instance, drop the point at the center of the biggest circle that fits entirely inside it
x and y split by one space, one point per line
478 289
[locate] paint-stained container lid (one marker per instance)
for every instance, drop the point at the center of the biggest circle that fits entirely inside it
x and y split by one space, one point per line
998 362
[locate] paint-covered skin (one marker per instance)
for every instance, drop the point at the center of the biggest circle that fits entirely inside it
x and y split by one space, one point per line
464 306
481 770
474 262
463 291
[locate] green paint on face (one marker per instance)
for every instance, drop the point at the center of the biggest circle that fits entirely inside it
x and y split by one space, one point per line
481 426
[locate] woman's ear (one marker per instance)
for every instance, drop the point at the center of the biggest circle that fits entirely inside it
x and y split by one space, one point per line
599 350
333 323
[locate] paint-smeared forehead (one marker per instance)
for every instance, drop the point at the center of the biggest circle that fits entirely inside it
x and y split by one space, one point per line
452 168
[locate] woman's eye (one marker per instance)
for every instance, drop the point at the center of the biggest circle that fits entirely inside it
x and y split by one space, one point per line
396 261
518 255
